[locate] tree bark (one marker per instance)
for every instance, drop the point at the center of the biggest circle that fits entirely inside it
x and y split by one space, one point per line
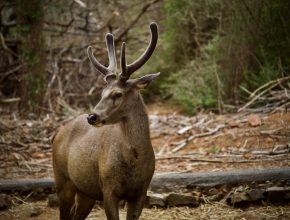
32 54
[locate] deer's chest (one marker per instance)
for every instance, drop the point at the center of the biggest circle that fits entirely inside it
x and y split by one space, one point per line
129 174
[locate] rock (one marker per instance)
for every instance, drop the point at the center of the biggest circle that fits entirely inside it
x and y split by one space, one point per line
174 199
52 200
287 196
238 199
214 198
254 120
256 195
35 211
213 191
156 200
5 202
276 194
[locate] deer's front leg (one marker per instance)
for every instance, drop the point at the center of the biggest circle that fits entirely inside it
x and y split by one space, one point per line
135 207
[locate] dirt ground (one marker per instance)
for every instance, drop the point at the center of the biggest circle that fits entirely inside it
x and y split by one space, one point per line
204 142
212 211
244 140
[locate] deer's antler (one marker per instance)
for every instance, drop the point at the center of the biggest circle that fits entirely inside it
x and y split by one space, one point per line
112 68
127 70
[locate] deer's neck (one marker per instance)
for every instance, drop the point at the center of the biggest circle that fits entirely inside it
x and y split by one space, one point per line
136 126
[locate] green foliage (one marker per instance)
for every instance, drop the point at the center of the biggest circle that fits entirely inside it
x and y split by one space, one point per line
25 27
257 48
212 48
29 56
190 86
187 64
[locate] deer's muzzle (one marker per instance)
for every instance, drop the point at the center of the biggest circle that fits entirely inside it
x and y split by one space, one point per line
94 119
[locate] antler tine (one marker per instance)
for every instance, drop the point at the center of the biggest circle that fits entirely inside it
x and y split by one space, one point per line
144 57
112 68
111 53
95 62
123 62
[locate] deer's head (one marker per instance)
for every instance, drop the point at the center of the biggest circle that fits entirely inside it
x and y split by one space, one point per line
121 92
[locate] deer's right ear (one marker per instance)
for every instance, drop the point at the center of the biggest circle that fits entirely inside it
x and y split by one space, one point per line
143 81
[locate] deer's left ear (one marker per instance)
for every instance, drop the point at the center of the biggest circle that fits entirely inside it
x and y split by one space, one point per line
143 81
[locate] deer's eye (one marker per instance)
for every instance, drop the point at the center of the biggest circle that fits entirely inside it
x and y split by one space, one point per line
117 95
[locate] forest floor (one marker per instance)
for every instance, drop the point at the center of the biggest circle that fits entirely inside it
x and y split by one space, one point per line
204 142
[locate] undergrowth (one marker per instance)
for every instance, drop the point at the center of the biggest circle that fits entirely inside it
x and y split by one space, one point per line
212 51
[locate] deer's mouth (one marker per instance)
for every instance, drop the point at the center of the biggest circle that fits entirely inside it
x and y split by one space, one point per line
100 124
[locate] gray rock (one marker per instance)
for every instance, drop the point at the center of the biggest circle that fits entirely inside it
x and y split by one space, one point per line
5 201
214 198
174 199
238 199
156 200
276 194
256 195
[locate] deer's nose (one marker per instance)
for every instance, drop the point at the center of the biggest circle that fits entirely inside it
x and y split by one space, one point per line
92 118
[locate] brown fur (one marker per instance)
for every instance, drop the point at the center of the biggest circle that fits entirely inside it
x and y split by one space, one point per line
107 155
109 163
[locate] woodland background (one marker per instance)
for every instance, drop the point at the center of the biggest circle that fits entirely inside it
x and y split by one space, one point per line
224 63
212 54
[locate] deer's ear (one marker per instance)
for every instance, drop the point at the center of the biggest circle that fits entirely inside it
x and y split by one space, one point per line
143 81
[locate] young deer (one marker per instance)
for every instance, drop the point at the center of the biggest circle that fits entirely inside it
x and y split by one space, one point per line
107 155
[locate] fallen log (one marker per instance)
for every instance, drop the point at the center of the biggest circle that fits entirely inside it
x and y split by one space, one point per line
167 182
172 181
24 185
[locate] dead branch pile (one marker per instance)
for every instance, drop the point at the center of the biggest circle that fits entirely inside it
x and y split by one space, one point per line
25 147
272 96
69 27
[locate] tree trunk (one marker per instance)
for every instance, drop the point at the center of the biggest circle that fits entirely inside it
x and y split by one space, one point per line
32 54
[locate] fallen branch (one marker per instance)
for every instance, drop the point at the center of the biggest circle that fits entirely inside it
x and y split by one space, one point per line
185 142
256 97
262 90
269 83
17 99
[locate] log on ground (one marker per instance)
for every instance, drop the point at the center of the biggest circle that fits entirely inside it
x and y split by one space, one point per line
167 182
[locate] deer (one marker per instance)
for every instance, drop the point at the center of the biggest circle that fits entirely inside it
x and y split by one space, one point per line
107 155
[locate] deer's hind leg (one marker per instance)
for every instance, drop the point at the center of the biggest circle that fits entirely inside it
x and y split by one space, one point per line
82 207
135 207
111 203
